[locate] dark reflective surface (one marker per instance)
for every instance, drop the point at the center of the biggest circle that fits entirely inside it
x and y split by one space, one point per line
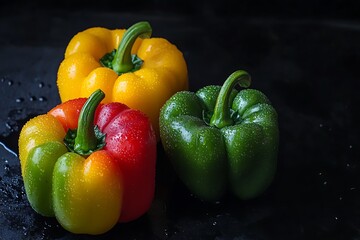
307 66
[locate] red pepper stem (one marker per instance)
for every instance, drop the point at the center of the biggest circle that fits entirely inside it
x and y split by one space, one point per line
221 117
86 140
122 61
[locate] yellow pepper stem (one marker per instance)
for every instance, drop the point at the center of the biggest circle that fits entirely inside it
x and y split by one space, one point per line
122 61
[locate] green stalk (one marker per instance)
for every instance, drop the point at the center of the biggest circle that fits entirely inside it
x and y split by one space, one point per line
86 140
122 61
221 117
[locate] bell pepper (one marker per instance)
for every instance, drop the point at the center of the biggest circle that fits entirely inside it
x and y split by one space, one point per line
128 65
90 165
221 140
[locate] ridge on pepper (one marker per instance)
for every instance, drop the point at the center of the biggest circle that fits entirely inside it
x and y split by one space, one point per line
129 65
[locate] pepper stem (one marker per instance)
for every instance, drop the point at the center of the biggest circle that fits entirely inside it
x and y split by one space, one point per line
122 61
221 117
86 140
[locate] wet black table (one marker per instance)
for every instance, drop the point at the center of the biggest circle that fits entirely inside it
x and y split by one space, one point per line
307 66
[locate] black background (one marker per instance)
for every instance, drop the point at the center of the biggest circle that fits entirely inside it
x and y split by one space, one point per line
304 55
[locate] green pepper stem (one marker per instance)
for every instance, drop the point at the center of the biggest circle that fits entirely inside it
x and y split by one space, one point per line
86 140
221 117
122 61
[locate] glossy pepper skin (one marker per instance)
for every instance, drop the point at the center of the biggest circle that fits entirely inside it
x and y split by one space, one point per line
219 139
89 177
129 65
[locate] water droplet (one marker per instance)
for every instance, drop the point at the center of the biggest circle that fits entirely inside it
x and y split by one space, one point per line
41 84
6 167
10 82
350 146
8 126
325 182
12 126
32 98
321 125
25 231
214 223
42 99
19 100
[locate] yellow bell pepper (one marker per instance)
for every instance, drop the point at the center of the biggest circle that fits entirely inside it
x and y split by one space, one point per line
130 66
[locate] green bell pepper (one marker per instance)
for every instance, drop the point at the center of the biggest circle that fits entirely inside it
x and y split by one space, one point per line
219 139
